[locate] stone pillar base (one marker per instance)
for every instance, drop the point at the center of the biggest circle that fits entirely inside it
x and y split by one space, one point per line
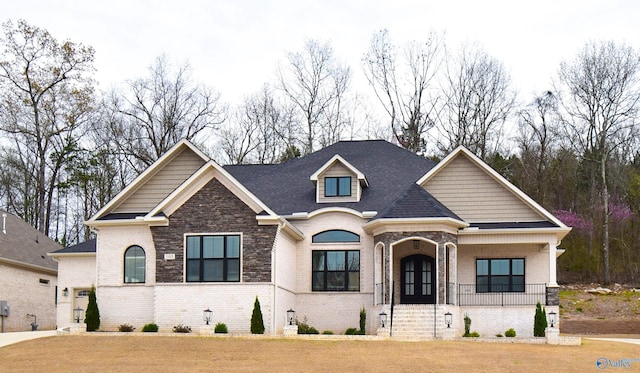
77 328
383 332
290 330
553 336
207 330
448 334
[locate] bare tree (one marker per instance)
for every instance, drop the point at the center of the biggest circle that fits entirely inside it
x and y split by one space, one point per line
161 109
479 99
403 82
46 96
316 84
601 105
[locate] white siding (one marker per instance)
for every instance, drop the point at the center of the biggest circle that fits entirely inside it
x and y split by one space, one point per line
338 170
475 196
160 185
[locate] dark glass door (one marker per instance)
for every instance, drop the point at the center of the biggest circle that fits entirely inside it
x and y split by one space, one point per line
418 280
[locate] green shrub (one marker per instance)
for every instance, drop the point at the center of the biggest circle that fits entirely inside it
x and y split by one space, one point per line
539 321
92 316
150 328
327 332
510 333
182 329
467 325
304 328
499 335
363 320
474 334
352 331
126 328
221 328
257 325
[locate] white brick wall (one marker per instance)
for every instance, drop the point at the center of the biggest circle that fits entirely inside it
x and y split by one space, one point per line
112 243
24 293
74 272
128 304
489 321
336 311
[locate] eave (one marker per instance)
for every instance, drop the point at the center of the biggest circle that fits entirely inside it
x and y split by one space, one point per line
28 266
447 225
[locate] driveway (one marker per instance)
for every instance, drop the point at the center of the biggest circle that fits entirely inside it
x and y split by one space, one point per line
623 340
15 337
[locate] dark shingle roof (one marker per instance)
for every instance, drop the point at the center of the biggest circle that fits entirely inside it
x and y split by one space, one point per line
286 188
84 247
25 244
416 202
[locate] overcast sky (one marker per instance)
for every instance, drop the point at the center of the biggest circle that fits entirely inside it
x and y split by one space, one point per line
235 45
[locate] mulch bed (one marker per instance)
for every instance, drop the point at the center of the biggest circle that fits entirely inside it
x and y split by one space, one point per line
596 326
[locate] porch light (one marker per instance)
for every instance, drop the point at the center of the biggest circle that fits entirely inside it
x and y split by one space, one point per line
77 314
291 316
552 318
383 319
448 318
416 244
206 316
65 292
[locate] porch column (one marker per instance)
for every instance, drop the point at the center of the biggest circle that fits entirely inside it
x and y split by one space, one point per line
553 281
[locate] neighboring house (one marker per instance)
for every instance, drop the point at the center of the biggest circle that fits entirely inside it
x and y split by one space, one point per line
359 224
28 277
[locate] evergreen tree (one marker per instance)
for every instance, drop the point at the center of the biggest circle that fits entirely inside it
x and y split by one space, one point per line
539 321
257 325
92 316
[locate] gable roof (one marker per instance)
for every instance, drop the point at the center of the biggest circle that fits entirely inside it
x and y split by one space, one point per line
21 244
287 188
338 159
416 202
87 247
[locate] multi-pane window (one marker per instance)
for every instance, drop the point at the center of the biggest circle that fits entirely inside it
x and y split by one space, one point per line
336 270
337 186
213 258
134 265
499 275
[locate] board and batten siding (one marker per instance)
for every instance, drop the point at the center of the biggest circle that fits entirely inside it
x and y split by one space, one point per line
337 170
477 197
161 184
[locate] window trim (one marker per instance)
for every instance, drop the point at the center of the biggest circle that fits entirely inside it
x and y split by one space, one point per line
338 189
346 272
511 285
224 259
124 265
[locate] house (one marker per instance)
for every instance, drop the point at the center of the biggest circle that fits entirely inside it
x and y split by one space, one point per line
28 277
358 224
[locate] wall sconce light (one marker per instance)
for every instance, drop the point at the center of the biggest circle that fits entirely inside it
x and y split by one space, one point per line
206 316
65 292
77 314
552 318
383 319
291 315
448 319
416 244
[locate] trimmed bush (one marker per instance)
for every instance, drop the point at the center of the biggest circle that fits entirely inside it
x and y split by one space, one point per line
304 328
92 315
467 325
352 331
539 321
150 328
363 320
510 333
474 335
126 328
182 329
257 325
221 328
499 335
327 332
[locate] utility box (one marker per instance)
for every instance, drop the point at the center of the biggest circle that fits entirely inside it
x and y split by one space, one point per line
4 308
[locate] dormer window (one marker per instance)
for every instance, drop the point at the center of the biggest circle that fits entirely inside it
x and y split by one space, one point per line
337 186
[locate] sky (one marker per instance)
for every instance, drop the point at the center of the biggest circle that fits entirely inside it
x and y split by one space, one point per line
235 46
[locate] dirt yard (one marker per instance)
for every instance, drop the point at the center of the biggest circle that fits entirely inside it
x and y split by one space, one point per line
588 313
188 353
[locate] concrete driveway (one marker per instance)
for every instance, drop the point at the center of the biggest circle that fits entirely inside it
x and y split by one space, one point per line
15 337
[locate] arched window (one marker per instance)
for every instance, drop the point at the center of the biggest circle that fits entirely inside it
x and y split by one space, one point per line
134 265
336 235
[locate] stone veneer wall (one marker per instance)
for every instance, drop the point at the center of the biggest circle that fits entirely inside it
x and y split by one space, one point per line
440 237
214 209
553 296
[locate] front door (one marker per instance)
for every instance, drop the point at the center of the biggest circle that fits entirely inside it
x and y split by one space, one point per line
418 280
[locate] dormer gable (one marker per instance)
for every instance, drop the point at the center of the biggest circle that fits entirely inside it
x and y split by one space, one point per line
338 181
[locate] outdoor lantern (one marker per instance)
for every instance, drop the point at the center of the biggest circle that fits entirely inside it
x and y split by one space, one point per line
552 318
291 314
65 292
447 319
78 313
383 319
206 315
